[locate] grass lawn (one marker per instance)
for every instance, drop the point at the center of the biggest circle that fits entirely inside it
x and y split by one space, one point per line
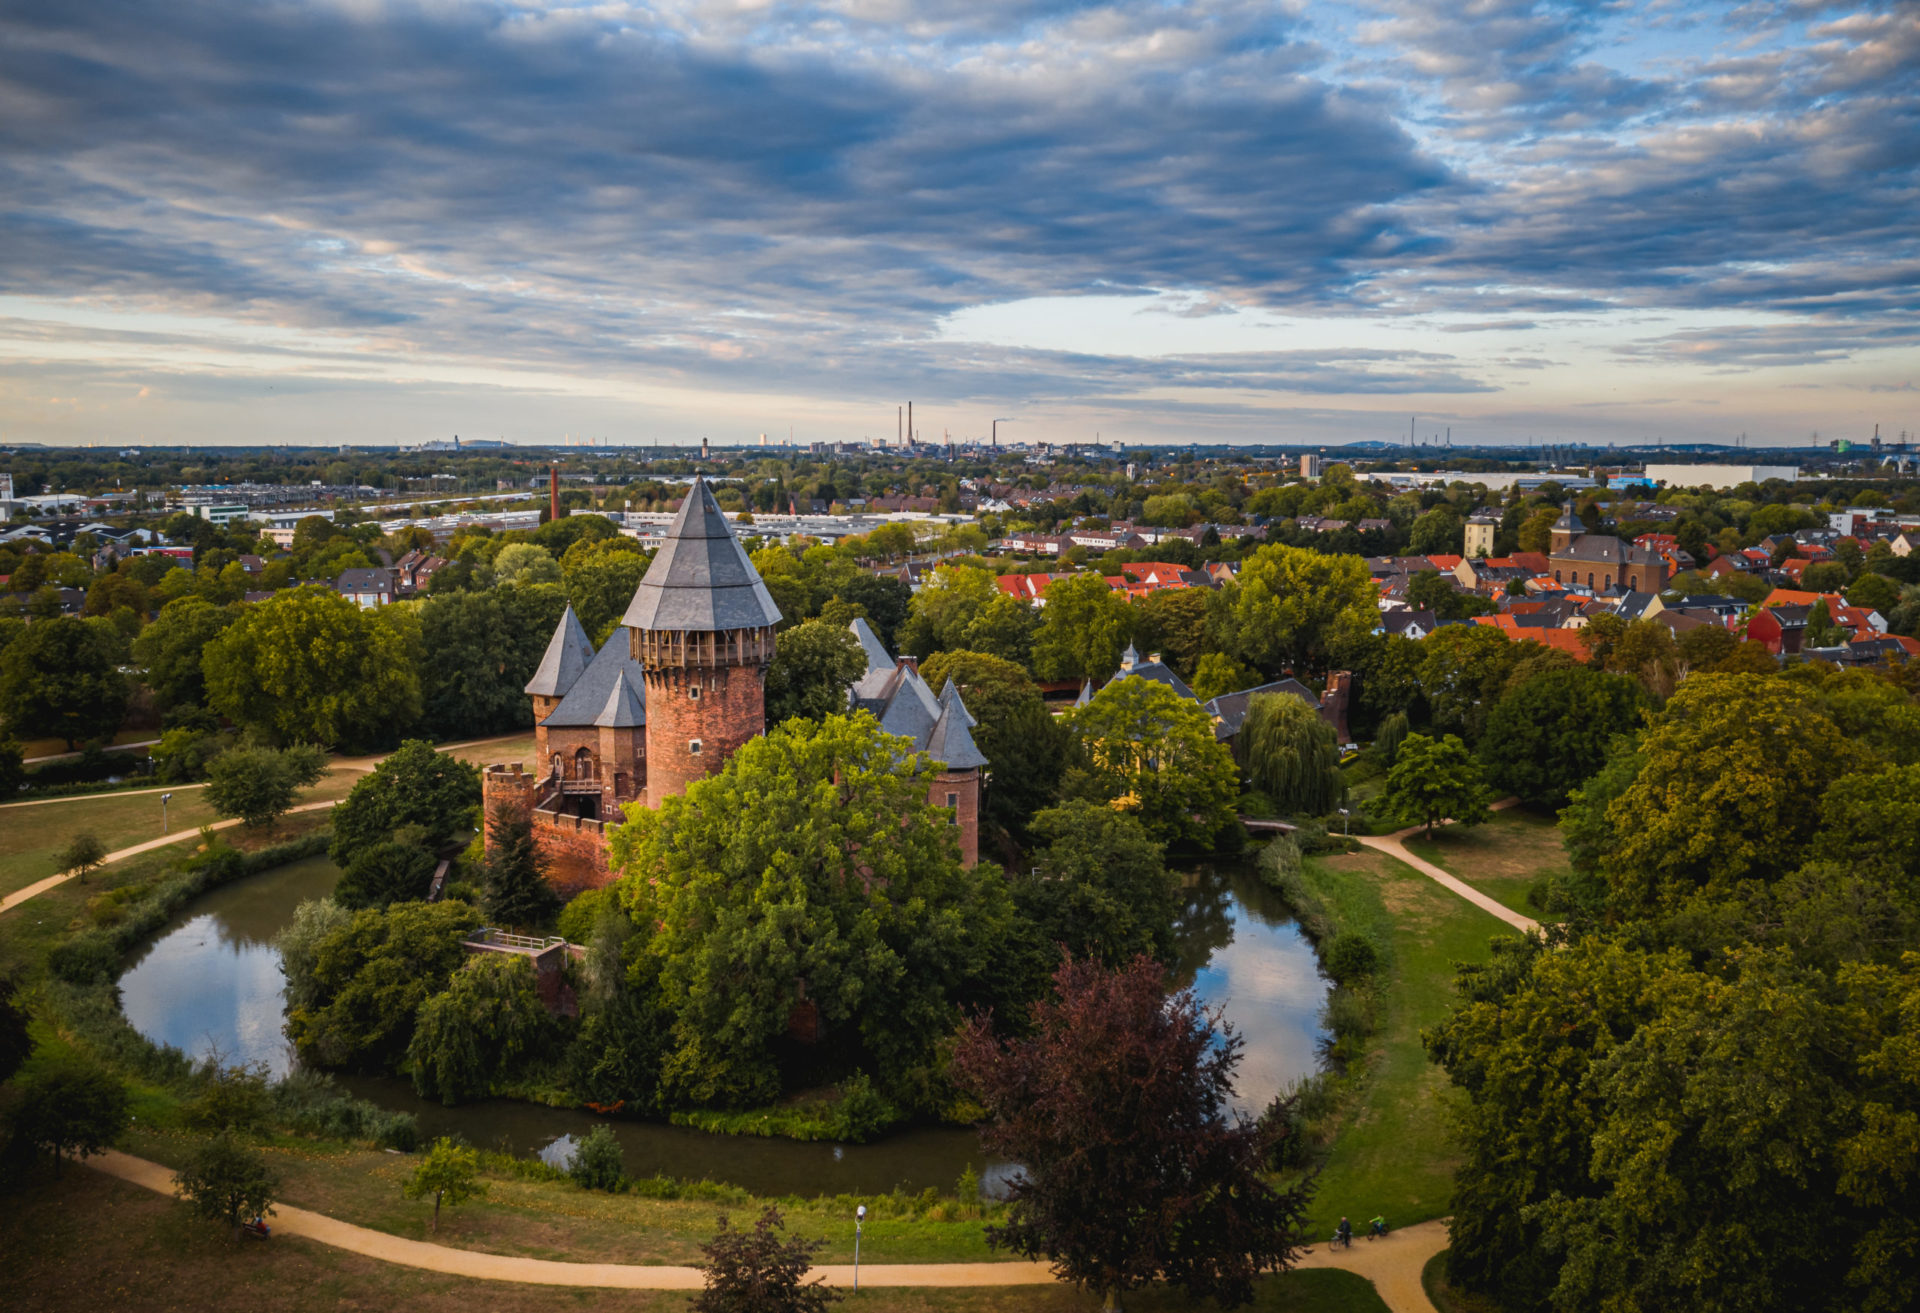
518 748
85 1241
31 836
29 930
32 748
1392 1156
1503 858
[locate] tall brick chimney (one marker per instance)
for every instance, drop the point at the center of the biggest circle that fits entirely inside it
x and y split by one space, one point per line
553 494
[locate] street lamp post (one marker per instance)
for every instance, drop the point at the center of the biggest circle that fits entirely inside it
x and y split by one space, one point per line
859 1217
165 798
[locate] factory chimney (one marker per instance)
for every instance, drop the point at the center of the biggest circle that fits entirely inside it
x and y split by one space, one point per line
553 494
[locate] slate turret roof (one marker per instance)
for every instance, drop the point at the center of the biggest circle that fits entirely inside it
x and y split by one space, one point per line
872 686
702 579
1132 667
904 704
569 653
611 694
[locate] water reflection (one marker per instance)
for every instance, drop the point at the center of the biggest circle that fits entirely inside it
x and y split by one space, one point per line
212 978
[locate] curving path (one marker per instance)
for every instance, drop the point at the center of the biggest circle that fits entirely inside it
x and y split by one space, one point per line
1391 845
1392 1264
20 896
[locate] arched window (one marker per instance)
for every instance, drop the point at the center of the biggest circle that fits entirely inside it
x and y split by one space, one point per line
583 764
557 766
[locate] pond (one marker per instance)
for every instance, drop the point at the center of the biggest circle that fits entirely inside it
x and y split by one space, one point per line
211 979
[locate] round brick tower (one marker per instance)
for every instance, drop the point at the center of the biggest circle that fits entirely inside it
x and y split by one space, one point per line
702 626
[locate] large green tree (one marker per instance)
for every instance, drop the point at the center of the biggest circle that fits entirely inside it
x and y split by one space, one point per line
809 879
1551 733
814 666
1292 755
1084 627
68 1105
1153 753
1098 886
601 578
311 666
171 647
58 680
415 786
1283 606
940 613
369 978
1435 780
488 1023
484 648
257 785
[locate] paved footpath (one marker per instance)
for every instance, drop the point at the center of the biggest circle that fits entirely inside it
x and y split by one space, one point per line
1392 1264
20 896
1392 846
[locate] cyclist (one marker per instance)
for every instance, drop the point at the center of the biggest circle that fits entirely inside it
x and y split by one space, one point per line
1377 1227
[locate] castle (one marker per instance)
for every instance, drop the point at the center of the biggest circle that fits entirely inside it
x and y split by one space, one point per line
678 688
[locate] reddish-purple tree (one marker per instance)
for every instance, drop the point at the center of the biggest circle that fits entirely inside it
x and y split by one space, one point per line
1133 1171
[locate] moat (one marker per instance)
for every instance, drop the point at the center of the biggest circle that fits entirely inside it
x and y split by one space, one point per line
211 979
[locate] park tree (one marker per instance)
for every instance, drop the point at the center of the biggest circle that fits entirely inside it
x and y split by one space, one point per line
1292 755
396 870
1463 674
758 1272
257 785
485 646
226 1181
298 945
171 647
1734 767
1283 606
448 1173
941 612
1018 735
369 978
1219 673
488 1023
82 855
1133 1170
66 1104
1099 886
514 888
1173 622
1435 780
815 665
1551 732
58 680
1005 627
601 577
311 666
521 564
810 873
1084 627
414 786
1153 753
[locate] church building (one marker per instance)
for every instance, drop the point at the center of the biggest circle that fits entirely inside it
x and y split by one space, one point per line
1600 563
677 689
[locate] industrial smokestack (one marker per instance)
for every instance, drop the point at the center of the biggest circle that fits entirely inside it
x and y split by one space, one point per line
909 423
553 494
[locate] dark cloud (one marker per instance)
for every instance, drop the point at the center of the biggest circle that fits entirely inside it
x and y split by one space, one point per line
794 196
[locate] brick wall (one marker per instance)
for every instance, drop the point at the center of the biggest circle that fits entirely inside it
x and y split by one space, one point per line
730 709
965 785
574 852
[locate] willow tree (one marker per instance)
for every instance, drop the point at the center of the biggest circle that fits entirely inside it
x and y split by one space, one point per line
1292 754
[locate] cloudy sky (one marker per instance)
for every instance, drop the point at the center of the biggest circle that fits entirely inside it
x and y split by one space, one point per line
363 221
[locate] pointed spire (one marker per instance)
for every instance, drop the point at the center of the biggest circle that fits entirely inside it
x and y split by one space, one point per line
702 578
1086 693
951 700
613 686
569 653
624 708
948 741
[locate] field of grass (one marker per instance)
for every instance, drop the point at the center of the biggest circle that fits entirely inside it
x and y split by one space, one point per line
32 835
1503 858
1392 1155
85 1241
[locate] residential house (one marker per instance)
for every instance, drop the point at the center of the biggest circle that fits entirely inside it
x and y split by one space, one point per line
366 588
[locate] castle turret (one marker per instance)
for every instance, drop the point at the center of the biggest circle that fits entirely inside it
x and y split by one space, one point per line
702 625
569 653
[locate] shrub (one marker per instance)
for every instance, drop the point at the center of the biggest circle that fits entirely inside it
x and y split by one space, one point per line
1349 958
597 1163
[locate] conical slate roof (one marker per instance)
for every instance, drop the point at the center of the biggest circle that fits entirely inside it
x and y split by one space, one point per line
911 708
569 653
949 740
950 701
702 579
613 686
872 686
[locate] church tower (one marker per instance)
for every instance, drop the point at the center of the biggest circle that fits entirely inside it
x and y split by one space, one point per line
1565 529
702 630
